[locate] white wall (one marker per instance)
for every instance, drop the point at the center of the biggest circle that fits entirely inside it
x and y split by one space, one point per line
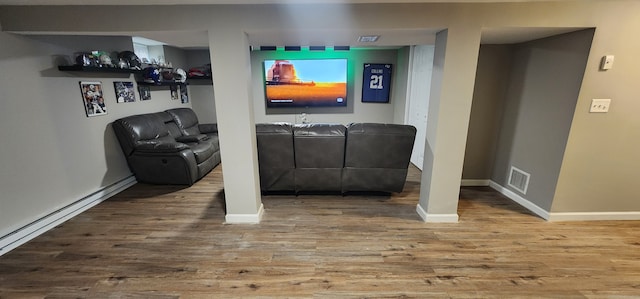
52 154
418 97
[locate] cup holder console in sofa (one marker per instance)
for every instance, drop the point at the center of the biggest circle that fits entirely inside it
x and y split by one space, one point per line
168 147
331 157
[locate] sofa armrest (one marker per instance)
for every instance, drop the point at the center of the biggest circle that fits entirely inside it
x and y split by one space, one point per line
161 147
208 128
192 138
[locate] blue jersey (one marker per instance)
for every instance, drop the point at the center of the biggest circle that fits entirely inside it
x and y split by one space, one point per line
376 83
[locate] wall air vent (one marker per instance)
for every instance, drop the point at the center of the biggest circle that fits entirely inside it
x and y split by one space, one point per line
519 180
368 38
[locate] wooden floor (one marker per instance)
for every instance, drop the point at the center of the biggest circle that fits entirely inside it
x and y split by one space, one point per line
170 242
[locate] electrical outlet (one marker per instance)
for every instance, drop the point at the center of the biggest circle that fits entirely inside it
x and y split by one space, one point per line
600 105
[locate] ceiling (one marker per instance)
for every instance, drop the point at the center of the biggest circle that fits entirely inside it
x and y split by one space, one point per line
388 38
194 2
396 37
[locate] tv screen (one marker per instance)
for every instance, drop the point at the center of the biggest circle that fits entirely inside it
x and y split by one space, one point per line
305 82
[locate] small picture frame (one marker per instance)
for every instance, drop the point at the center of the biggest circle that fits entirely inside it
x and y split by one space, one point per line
145 92
174 92
184 93
125 92
93 98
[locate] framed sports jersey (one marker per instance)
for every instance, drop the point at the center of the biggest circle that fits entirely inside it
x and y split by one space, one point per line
376 83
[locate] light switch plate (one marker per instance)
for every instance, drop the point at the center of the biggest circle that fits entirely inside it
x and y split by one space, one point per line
600 105
607 62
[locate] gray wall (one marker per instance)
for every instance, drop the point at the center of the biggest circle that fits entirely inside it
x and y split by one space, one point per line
52 153
393 112
540 102
177 57
201 90
492 77
399 88
356 111
203 101
197 57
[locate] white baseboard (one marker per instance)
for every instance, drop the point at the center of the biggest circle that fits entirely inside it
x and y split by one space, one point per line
40 226
245 218
475 183
591 216
520 200
436 218
564 216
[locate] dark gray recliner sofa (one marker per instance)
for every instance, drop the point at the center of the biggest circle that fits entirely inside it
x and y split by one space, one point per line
334 158
168 147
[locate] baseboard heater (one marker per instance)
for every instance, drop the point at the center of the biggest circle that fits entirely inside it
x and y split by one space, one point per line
28 232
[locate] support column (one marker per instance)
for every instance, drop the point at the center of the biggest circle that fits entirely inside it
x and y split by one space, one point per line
231 67
454 71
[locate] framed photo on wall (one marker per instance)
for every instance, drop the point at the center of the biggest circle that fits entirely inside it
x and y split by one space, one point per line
125 93
145 92
174 92
93 98
184 93
376 83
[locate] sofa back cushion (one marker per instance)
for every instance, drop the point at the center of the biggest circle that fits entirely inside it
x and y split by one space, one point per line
275 156
373 145
170 124
275 145
319 145
186 120
319 154
377 157
140 129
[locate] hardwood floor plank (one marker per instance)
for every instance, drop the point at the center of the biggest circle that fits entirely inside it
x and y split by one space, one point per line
172 242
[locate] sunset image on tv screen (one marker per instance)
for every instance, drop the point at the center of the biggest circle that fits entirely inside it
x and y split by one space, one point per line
301 83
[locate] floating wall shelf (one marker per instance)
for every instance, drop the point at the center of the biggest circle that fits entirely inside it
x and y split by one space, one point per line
95 69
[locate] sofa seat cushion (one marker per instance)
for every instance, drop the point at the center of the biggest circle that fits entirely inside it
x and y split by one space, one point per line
318 179
373 179
202 150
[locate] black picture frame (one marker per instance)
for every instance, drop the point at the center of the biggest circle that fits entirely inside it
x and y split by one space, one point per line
125 92
184 93
376 82
173 89
145 92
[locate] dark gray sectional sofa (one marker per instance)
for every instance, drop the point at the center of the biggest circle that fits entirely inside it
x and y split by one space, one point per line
334 158
168 147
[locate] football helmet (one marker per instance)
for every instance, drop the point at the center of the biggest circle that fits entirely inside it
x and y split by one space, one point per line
151 75
105 60
180 75
132 59
86 59
167 75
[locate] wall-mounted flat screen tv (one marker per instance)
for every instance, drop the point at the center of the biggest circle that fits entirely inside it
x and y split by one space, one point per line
305 82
